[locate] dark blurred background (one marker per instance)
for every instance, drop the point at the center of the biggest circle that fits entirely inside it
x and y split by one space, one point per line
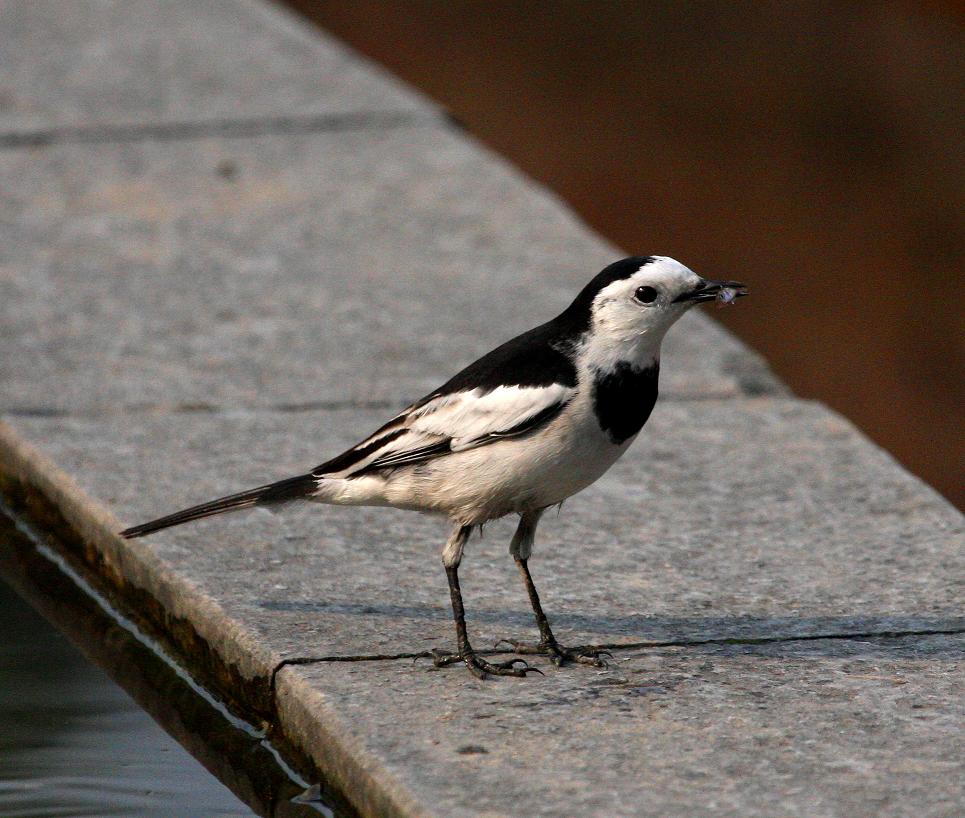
812 149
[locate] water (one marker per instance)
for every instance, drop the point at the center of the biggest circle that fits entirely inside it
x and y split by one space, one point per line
74 743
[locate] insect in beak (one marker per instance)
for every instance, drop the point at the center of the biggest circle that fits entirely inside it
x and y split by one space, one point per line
724 292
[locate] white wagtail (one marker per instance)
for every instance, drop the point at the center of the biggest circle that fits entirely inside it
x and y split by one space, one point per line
518 431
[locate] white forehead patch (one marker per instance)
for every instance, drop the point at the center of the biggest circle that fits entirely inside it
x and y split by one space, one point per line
663 272
667 271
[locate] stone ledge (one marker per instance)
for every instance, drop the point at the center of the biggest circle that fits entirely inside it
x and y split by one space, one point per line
261 592
131 62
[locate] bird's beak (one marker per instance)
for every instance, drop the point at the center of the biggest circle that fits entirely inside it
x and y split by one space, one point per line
708 290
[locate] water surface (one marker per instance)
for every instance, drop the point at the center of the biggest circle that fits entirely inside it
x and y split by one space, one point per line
72 743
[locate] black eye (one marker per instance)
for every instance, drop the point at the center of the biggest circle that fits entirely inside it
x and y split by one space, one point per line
645 295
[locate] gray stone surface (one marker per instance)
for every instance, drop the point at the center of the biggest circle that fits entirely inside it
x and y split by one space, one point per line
728 518
824 729
364 266
136 63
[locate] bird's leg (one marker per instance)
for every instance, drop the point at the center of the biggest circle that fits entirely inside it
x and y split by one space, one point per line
547 641
478 666
521 548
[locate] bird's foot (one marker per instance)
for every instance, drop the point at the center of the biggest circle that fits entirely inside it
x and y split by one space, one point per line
559 656
480 668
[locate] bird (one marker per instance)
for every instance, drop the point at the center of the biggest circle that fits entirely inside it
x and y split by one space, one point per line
516 432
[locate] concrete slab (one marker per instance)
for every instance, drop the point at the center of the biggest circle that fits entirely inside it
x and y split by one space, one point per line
822 729
324 268
141 62
754 518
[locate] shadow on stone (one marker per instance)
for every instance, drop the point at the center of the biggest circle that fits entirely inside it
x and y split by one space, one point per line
655 631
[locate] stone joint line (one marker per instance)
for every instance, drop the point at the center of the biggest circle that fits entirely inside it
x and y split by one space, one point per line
217 128
627 646
202 409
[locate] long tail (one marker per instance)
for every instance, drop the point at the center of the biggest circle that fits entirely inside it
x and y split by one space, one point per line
294 488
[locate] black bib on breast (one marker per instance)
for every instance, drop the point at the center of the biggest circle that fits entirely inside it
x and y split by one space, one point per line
623 399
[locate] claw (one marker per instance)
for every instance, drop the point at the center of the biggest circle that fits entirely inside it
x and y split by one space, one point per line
480 668
559 656
443 658
590 656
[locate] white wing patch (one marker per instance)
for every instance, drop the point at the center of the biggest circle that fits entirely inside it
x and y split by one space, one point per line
468 417
452 423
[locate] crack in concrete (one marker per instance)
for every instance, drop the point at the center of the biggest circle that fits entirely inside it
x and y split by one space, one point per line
224 128
628 646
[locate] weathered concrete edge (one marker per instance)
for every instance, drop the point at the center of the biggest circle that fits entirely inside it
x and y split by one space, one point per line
310 725
169 607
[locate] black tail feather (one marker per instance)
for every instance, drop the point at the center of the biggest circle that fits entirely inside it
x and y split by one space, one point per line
294 488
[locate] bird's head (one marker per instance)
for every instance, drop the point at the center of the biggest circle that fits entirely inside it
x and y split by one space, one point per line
629 306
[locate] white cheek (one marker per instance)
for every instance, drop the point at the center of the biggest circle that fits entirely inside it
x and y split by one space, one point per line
625 319
625 331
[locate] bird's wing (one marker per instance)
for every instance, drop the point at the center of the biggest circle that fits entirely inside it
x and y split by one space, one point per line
452 422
